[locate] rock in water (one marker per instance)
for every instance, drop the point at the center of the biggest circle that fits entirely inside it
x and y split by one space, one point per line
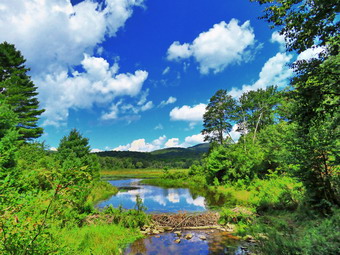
178 233
188 236
202 237
177 240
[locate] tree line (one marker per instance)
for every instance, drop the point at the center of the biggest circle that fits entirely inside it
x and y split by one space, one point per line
293 131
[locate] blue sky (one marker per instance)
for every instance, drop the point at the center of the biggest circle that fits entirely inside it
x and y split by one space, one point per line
137 74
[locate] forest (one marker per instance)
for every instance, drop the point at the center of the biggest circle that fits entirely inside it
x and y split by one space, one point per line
284 168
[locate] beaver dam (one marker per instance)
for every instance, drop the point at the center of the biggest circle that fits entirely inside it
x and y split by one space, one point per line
186 220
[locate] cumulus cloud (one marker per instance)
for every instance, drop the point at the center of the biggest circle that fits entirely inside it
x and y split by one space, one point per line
188 113
53 36
160 143
222 45
99 83
193 140
310 53
280 39
173 142
274 72
170 100
179 51
142 146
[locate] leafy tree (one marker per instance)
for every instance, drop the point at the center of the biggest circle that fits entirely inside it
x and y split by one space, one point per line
258 109
19 91
8 139
218 117
308 24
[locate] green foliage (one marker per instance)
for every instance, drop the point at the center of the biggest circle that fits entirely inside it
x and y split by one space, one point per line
257 109
19 91
276 192
233 163
303 23
132 218
217 119
285 234
238 214
308 24
101 190
104 239
169 157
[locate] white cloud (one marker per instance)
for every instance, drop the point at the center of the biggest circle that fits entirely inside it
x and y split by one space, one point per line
274 72
166 70
310 53
160 143
159 127
280 39
113 113
170 100
192 140
53 35
95 150
53 149
220 46
234 134
178 51
99 83
142 145
188 113
173 142
147 106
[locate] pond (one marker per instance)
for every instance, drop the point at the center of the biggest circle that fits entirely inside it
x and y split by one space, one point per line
216 243
156 199
173 200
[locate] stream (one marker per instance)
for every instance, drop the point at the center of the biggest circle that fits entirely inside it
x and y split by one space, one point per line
173 200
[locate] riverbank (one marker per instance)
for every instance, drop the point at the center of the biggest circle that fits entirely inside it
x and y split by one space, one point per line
273 212
138 173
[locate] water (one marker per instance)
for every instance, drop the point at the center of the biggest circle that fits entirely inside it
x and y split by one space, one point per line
216 243
172 200
156 199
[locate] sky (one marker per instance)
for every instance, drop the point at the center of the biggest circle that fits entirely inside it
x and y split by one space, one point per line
137 74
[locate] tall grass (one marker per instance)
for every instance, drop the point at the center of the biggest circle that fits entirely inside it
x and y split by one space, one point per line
138 173
96 239
101 191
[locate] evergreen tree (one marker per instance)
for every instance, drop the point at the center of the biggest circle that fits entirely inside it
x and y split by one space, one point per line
74 153
218 116
19 91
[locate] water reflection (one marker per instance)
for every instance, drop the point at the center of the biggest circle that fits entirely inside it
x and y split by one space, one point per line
216 243
156 199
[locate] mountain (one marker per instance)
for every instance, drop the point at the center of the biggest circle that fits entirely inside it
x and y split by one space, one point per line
171 157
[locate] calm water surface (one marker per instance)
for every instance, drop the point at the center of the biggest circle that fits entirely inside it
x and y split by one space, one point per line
164 200
156 199
216 243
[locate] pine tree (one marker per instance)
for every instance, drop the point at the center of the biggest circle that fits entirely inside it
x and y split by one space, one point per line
218 116
19 91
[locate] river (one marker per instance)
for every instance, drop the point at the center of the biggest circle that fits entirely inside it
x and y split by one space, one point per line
173 200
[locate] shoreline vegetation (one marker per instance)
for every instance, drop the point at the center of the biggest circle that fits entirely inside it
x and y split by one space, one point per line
280 179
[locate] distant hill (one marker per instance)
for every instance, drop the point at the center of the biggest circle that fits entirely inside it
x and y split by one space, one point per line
170 157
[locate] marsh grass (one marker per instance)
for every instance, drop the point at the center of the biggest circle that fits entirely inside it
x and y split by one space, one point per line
138 173
101 191
106 239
